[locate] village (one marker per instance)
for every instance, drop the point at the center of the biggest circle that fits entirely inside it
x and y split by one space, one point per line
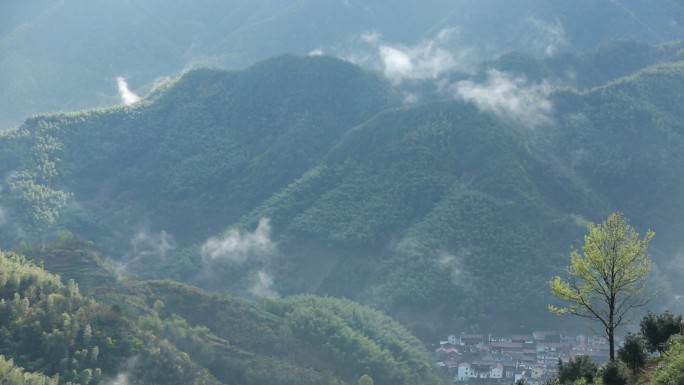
490 359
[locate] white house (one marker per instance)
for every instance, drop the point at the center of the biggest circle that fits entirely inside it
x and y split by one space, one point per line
465 372
496 371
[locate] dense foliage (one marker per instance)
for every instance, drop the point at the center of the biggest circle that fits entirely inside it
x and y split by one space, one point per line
50 328
308 175
343 187
656 329
633 352
580 367
164 332
635 366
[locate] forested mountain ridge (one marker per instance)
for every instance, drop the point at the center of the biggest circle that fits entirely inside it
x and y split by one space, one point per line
449 213
163 332
67 55
191 151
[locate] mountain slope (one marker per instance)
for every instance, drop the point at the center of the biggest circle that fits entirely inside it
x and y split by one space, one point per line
202 150
436 200
296 339
163 332
68 55
302 175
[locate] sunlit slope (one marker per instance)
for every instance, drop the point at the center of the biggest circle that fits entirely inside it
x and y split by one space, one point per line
164 332
446 208
302 339
441 214
50 328
201 151
626 139
424 208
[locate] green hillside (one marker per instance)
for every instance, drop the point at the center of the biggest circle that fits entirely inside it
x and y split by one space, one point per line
164 332
306 175
437 200
196 155
51 329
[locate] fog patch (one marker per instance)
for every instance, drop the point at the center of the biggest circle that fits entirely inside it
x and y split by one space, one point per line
456 265
428 59
508 96
237 247
548 38
120 379
263 286
123 378
118 268
146 244
146 250
244 258
316 52
127 96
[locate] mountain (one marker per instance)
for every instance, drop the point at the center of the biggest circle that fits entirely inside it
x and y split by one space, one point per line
152 332
256 130
310 175
67 55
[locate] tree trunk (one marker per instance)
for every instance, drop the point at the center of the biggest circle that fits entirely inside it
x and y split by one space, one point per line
611 342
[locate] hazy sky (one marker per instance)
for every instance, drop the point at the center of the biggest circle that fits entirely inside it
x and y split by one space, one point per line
74 54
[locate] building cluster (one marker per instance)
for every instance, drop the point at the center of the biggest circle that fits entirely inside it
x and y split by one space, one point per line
488 359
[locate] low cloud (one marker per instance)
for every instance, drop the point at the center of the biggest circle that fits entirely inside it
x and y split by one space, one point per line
120 379
263 286
547 37
146 248
428 59
127 96
456 264
508 96
316 52
157 245
238 247
123 378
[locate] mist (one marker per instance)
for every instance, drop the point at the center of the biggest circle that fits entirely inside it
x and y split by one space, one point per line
126 95
508 96
120 379
237 247
455 262
433 160
428 59
547 37
148 244
263 286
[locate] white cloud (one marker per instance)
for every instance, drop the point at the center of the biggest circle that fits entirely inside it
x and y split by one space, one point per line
237 247
548 38
145 244
456 265
127 96
263 286
316 52
3 217
508 96
121 379
428 59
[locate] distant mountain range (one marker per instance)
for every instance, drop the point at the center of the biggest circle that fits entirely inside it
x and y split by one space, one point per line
67 55
312 175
